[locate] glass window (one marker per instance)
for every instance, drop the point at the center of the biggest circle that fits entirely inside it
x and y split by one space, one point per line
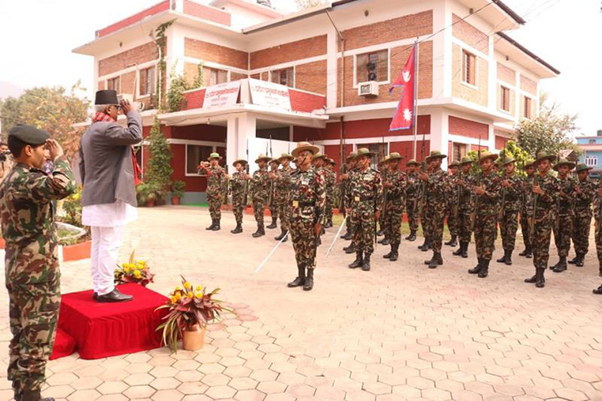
147 81
591 161
284 77
217 76
527 110
194 155
373 66
113 83
459 151
505 100
469 62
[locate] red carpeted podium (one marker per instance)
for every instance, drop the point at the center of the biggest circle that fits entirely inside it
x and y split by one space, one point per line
100 330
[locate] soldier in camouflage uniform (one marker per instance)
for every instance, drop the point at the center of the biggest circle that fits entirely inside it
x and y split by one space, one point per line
426 214
452 205
239 184
260 184
31 259
216 177
543 204
394 194
486 190
598 238
584 196
436 190
282 182
351 167
273 204
331 181
308 197
382 169
365 191
465 206
412 200
511 191
565 214
525 215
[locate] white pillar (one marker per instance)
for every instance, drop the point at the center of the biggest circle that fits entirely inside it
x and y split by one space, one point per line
440 132
492 72
240 127
332 44
442 47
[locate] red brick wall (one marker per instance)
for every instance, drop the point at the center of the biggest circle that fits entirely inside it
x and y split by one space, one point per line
156 9
301 101
470 35
406 149
101 85
409 26
311 77
127 83
506 74
528 85
200 132
208 13
467 128
137 55
215 53
195 100
500 142
178 164
287 52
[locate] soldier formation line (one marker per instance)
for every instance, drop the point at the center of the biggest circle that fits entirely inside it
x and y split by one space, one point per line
470 199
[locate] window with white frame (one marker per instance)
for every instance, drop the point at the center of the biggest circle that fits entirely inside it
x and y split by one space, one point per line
469 68
372 66
217 76
285 77
194 155
591 161
459 150
527 105
505 99
147 81
113 84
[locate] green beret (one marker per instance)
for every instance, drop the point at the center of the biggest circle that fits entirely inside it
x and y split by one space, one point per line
29 134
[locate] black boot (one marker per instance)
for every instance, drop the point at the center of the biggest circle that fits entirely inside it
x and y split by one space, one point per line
395 252
581 260
412 236
17 390
533 279
423 244
348 235
212 226
540 280
260 231
358 262
282 234
600 270
273 225
328 224
309 281
464 253
437 260
560 266
524 253
216 227
350 249
529 253
366 265
458 251
388 255
598 291
574 260
29 395
385 241
300 280
504 258
484 272
509 257
427 245
453 241
477 268
237 230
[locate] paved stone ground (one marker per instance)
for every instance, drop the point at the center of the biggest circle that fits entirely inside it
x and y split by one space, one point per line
399 332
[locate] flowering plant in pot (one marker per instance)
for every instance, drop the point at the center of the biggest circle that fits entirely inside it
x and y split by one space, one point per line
135 271
177 192
191 309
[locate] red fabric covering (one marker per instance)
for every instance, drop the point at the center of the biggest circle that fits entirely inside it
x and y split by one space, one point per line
64 345
108 329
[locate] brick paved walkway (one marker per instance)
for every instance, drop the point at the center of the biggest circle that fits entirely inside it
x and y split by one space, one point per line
399 332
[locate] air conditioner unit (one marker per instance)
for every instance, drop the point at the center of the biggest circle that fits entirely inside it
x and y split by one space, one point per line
368 89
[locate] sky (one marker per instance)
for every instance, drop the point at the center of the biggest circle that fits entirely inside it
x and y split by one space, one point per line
37 38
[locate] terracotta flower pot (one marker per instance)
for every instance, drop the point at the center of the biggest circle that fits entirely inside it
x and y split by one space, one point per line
175 200
150 202
194 338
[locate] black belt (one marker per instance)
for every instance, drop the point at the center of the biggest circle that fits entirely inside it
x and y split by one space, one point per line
303 204
364 198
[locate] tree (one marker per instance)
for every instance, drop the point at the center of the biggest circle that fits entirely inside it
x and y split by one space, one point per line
159 165
305 4
548 131
52 109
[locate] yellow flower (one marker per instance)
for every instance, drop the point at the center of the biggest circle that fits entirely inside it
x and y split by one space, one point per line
137 274
199 288
190 295
187 285
174 299
199 294
77 196
126 269
178 296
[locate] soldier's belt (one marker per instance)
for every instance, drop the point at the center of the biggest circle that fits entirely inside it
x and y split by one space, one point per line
363 198
302 204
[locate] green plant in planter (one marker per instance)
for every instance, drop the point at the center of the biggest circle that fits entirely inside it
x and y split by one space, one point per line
178 188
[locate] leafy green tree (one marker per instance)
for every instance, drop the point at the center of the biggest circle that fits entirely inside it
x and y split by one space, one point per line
159 165
53 109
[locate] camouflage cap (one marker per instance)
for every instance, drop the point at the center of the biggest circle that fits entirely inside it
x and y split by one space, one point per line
435 154
29 134
215 156
364 152
543 155
466 160
412 162
583 167
566 162
487 155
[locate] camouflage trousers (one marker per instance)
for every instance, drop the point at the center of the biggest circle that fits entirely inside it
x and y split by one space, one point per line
412 213
215 204
239 209
328 207
542 233
274 210
425 221
452 220
284 213
464 225
581 227
34 312
393 217
381 219
524 228
598 239
258 212
508 227
563 229
484 235
303 236
436 222
364 224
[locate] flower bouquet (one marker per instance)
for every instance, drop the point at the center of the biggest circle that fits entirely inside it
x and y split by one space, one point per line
135 271
191 309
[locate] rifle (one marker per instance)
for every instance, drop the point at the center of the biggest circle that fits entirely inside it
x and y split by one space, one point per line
244 202
271 196
385 173
476 202
342 190
422 170
535 196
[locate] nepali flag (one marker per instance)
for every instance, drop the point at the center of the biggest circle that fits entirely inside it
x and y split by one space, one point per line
404 115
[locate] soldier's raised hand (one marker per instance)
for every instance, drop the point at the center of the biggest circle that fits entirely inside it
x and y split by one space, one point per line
54 149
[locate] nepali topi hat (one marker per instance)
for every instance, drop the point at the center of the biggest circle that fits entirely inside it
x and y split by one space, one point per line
301 146
262 157
106 97
435 154
29 134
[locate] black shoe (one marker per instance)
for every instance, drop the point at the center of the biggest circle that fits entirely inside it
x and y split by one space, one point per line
412 236
524 253
273 225
529 254
465 251
358 262
282 234
426 246
394 252
350 249
309 281
502 259
259 233
385 242
437 260
29 395
328 224
574 260
540 280
423 244
216 227
366 265
212 226
484 272
17 390
509 258
348 235
237 230
598 291
532 279
300 280
458 252
114 296
380 233
581 260
560 266
388 255
477 268
453 241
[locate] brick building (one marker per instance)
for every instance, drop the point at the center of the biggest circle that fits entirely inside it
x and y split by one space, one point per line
323 75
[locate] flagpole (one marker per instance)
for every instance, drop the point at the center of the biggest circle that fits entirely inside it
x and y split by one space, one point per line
416 74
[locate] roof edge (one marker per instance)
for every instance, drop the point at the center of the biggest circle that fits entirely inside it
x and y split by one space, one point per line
513 14
528 52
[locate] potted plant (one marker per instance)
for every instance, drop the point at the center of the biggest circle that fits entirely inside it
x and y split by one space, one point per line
191 309
135 271
141 193
177 192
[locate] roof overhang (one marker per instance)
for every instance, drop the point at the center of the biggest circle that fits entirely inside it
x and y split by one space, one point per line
255 7
528 59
